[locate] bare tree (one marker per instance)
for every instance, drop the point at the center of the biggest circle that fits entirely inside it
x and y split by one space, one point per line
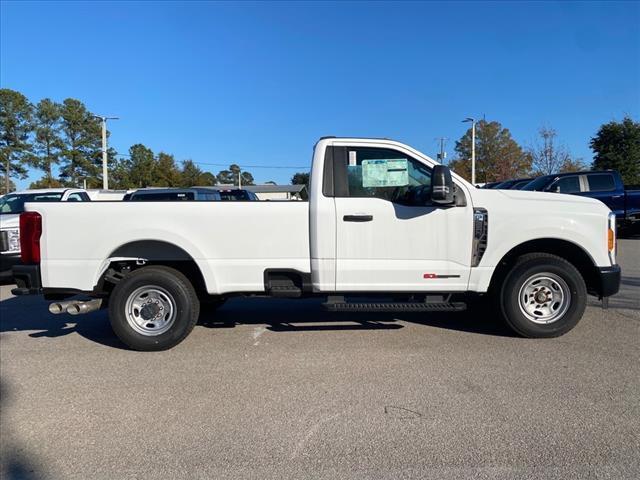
551 157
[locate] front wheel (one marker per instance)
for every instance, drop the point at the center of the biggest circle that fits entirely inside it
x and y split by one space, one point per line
543 296
153 308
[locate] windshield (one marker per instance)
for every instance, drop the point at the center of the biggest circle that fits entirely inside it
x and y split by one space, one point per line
538 184
14 203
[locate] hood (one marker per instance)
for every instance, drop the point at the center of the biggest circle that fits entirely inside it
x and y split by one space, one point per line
9 220
527 200
540 196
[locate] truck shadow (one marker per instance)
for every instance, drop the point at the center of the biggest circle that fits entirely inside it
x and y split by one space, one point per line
30 314
308 315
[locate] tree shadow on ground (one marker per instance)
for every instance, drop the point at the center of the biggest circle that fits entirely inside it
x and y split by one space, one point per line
16 463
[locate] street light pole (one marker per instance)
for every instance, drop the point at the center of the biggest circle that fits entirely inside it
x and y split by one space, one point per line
473 148
442 156
105 179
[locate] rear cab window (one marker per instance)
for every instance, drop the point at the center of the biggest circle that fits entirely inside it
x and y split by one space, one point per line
601 182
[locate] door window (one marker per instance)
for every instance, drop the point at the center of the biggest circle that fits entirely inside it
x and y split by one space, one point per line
601 183
388 175
566 185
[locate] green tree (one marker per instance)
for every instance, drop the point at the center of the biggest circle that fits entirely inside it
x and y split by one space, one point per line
190 174
232 175
81 153
16 114
247 178
119 172
498 155
301 178
46 182
167 172
226 177
207 179
142 166
617 146
48 143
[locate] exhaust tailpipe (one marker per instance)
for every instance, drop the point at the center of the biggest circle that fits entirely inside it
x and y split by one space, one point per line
80 308
60 307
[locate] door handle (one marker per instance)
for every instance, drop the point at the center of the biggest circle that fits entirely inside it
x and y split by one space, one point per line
357 218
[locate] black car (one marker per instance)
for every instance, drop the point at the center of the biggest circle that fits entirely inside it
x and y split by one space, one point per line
195 194
238 195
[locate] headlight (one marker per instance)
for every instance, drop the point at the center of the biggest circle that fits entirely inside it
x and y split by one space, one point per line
12 240
612 240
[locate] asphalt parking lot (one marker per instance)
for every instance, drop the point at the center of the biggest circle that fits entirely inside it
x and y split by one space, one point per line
282 389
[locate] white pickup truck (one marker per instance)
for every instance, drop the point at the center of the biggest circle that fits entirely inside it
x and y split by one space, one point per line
11 206
383 223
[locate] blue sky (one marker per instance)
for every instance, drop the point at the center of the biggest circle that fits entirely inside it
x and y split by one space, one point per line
258 83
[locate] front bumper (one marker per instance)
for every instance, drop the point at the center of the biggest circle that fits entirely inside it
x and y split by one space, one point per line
609 280
27 278
7 262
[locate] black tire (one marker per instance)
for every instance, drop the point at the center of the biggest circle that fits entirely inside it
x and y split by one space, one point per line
185 304
525 268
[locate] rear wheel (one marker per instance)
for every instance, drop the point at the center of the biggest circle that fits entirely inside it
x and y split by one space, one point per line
543 296
153 308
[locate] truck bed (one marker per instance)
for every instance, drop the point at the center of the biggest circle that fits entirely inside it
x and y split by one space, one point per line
236 240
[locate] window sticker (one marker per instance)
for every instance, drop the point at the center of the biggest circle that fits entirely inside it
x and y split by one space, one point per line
353 159
385 173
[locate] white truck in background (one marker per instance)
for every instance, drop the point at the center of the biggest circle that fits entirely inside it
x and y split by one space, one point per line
383 221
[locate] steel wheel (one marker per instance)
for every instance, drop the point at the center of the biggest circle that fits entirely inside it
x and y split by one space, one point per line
150 310
544 298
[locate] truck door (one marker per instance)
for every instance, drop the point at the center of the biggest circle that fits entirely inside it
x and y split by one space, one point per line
389 237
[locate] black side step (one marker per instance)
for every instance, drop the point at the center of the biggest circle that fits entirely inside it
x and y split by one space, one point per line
395 307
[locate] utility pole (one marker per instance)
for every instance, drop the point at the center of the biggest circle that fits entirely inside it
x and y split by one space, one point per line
442 155
239 177
105 179
473 148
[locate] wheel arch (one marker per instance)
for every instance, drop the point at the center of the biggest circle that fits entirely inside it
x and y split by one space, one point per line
573 253
139 253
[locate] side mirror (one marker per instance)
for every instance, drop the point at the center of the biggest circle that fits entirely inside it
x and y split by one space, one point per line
441 185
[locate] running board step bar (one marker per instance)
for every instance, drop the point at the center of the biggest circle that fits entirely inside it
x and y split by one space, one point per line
395 307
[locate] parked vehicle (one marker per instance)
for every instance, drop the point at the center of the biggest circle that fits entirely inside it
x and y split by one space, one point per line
515 184
11 206
197 194
605 186
238 195
490 185
383 221
98 195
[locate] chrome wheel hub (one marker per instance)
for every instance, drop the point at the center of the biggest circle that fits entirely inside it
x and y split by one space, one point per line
544 298
150 310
